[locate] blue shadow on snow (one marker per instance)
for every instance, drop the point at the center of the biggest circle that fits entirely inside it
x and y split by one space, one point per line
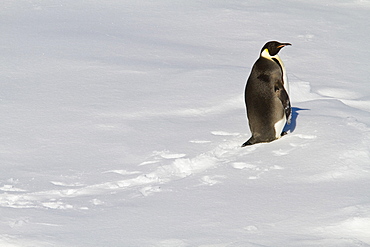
293 121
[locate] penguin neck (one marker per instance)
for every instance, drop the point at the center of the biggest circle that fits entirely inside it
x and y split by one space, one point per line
265 54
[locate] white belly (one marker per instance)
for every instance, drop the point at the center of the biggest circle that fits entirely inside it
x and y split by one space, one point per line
279 126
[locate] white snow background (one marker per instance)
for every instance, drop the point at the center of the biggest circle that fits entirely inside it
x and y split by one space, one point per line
121 124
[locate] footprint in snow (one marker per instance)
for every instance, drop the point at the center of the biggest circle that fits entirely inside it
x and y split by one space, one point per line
150 162
212 180
224 133
251 229
147 190
165 154
122 172
254 171
157 156
199 141
10 188
54 204
242 165
62 184
19 222
303 141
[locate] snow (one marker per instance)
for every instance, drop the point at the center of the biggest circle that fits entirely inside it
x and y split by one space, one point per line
122 123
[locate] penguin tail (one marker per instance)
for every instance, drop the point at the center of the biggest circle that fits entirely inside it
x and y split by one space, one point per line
247 143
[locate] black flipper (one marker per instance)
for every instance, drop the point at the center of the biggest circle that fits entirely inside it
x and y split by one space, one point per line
284 98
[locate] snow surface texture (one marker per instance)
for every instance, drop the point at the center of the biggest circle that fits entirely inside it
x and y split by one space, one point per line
122 123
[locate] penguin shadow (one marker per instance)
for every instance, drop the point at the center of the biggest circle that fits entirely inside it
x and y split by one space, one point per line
293 122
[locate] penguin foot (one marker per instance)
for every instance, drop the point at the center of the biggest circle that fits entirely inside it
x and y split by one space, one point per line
283 133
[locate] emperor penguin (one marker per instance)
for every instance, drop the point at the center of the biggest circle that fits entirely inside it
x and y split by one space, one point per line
266 96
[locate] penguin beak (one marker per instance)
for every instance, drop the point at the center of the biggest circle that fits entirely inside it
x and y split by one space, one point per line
283 44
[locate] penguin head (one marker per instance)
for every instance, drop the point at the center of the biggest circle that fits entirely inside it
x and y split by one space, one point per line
273 47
